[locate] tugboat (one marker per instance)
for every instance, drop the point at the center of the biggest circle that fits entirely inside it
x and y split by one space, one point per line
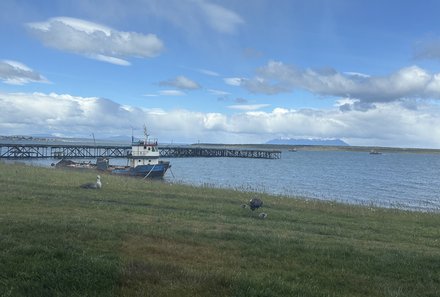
143 160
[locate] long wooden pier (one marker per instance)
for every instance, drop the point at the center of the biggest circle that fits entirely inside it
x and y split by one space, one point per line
26 151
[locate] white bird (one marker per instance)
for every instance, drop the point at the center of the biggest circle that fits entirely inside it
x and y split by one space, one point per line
97 185
262 215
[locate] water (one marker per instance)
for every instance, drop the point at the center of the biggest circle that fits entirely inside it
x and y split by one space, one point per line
397 180
406 181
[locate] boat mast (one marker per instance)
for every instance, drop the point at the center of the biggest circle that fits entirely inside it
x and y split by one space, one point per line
146 134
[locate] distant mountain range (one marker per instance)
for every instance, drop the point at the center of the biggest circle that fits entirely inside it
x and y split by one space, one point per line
313 141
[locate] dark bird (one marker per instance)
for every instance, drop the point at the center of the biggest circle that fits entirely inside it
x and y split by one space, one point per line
96 185
255 203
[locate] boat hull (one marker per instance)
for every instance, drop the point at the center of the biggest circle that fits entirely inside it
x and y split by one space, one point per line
150 171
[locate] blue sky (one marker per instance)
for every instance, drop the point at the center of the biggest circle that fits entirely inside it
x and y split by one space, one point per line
366 72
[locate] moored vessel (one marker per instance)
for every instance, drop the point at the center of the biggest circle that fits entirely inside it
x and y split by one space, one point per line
144 160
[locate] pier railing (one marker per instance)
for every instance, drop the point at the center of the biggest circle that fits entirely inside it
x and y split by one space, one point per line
25 151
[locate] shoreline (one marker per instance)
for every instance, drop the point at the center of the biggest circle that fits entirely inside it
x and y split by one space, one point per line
362 202
354 203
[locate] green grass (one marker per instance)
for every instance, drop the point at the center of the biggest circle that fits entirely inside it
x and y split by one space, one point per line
144 238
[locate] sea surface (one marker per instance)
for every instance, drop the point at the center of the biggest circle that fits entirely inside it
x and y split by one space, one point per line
396 180
408 181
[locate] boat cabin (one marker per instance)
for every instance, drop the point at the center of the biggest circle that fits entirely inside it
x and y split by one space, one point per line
144 152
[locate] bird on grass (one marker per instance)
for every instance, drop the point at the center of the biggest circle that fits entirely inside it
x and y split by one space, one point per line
97 185
262 215
255 203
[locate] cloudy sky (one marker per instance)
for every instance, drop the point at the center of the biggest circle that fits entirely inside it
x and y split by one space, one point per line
248 71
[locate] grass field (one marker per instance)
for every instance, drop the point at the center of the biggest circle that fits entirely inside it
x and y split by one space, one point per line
143 238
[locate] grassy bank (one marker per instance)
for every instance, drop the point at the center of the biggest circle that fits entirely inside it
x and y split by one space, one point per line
137 238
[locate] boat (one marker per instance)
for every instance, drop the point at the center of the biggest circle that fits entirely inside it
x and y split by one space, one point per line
375 152
143 161
69 164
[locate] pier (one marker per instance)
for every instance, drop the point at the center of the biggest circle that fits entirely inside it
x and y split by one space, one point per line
26 151
194 151
59 151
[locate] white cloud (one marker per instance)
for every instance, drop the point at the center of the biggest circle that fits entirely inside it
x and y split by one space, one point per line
409 82
192 16
358 74
208 72
111 60
219 18
95 41
248 107
389 123
218 92
16 73
181 82
233 81
196 15
171 93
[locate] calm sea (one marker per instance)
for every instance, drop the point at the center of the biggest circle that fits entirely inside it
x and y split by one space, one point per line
398 180
408 181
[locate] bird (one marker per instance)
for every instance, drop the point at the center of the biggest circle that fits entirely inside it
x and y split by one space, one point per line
262 215
97 185
255 203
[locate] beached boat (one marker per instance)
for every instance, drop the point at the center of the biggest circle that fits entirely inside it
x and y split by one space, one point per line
65 163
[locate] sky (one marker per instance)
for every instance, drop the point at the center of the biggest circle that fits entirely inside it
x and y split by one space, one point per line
249 71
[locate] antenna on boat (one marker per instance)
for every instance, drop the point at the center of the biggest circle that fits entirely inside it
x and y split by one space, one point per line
94 140
145 132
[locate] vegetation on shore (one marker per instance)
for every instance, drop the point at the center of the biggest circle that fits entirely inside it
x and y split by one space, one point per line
149 238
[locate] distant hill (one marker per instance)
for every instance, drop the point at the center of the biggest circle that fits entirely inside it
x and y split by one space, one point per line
119 138
313 141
